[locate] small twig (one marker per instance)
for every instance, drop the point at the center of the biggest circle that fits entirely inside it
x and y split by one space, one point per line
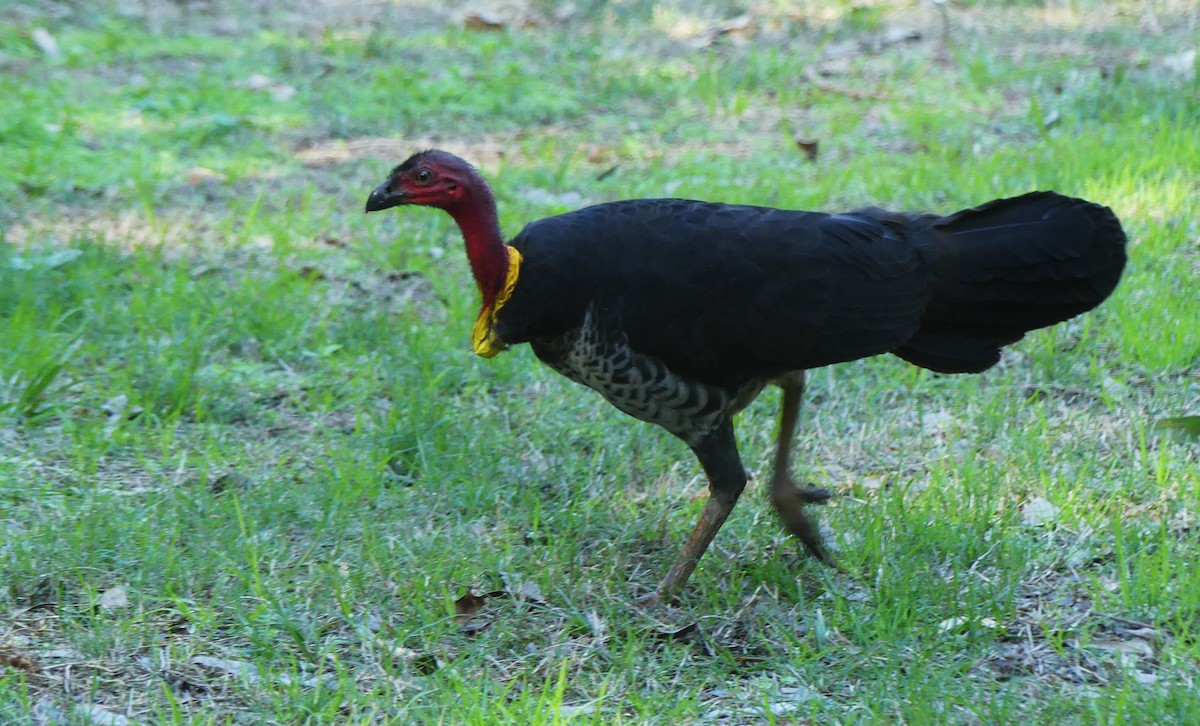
813 77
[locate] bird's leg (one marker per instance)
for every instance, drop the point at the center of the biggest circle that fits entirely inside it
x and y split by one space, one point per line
726 479
787 498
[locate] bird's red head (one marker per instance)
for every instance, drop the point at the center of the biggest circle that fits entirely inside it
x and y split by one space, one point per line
430 178
441 179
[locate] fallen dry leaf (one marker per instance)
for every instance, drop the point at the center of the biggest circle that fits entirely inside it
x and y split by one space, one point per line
238 668
1038 511
469 604
203 175
529 591
483 20
809 147
953 623
497 15
957 622
114 598
46 42
1135 646
19 661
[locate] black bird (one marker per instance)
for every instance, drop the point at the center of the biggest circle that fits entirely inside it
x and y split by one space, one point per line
679 312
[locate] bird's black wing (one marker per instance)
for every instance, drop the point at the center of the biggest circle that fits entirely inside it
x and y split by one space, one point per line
721 293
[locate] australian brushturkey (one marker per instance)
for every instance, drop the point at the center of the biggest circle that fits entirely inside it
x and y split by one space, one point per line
680 312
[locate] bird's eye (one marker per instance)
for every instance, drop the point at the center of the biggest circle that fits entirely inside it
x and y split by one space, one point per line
423 176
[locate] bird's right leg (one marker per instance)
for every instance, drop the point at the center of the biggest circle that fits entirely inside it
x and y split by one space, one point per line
787 498
718 456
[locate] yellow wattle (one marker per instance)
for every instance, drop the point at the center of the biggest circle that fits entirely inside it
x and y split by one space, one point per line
483 337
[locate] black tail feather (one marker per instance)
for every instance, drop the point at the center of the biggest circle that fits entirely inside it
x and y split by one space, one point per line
1009 267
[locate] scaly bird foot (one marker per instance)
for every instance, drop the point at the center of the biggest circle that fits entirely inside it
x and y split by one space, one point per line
789 501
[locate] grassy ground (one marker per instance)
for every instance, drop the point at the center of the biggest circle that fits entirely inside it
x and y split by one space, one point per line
250 471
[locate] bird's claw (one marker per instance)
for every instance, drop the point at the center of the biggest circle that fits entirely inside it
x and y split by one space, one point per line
810 494
789 500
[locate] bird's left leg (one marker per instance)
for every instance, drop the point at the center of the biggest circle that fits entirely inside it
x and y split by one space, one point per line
718 456
787 498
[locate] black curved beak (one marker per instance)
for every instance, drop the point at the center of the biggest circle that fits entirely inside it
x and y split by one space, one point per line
382 198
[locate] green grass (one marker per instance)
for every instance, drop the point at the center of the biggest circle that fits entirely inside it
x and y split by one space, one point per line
254 413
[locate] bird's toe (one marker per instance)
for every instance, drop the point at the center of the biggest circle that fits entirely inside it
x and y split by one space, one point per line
814 495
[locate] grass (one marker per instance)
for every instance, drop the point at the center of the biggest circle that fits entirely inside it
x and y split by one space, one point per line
249 467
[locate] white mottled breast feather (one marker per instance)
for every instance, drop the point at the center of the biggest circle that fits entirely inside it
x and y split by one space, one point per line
641 385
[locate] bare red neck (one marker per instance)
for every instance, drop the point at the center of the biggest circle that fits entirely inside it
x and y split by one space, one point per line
477 219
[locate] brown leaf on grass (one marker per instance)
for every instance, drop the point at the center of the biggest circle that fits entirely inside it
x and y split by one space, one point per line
483 20
19 661
809 147
501 15
467 607
469 604
203 175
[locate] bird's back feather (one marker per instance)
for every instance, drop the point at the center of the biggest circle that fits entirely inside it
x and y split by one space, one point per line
723 294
